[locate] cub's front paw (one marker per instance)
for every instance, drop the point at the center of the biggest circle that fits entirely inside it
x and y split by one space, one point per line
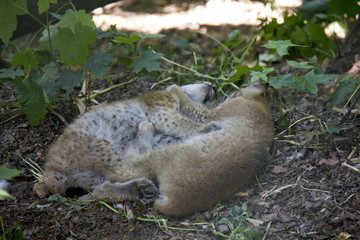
147 191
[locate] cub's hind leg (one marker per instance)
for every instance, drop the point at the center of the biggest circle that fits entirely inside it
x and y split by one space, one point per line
141 190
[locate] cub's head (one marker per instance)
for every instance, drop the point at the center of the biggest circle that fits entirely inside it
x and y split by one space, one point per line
202 93
254 92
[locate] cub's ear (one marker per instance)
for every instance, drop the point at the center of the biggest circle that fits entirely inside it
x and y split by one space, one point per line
253 91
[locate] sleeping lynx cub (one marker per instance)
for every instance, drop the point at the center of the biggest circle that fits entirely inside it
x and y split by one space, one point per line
204 169
211 161
89 150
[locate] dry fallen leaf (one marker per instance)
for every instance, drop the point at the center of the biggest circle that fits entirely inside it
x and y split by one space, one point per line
344 235
330 161
255 222
278 169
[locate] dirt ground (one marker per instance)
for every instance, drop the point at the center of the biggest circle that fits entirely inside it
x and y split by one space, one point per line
305 191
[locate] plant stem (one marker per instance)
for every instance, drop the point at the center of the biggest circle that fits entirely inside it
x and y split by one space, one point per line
192 70
107 89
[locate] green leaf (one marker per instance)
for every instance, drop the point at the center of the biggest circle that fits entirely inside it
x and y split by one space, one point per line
283 81
31 98
11 73
260 75
8 11
74 46
344 86
127 39
71 19
26 58
180 42
4 194
311 79
69 80
331 127
9 173
281 46
147 59
299 64
126 61
97 63
350 8
43 5
144 35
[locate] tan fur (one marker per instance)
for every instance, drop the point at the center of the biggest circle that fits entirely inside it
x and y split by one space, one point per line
205 169
103 142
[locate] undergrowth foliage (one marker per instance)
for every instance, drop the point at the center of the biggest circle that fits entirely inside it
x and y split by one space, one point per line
50 72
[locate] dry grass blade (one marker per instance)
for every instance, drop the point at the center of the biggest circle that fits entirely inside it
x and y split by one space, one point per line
130 214
36 170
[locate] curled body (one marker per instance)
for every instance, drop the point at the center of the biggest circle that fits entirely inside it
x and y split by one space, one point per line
104 141
197 173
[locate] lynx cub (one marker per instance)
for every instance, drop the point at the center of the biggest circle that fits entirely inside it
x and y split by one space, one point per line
91 149
204 169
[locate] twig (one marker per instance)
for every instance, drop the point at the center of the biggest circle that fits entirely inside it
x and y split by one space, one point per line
130 215
59 116
351 167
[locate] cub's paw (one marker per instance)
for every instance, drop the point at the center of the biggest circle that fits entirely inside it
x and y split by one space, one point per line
147 191
211 127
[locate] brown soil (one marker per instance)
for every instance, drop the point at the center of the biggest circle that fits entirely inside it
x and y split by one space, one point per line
304 191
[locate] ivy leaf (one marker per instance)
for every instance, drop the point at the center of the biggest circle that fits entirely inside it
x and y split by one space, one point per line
296 64
69 80
97 63
147 59
71 19
31 97
43 5
9 173
74 47
281 46
8 11
26 58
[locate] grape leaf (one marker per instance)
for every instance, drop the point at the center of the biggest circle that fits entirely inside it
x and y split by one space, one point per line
71 19
281 46
147 59
26 58
8 11
74 46
31 97
97 63
9 173
43 5
69 79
